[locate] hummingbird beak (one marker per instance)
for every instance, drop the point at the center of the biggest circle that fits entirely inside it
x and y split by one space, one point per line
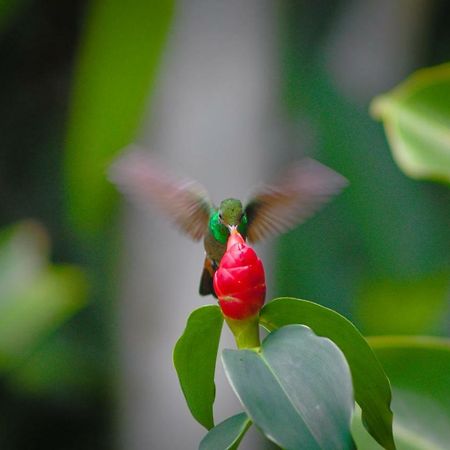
232 229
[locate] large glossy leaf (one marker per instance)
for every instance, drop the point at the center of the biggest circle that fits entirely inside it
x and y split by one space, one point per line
226 435
195 357
416 116
35 296
419 369
371 386
297 389
117 63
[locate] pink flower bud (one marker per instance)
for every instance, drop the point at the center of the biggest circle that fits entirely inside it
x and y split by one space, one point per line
239 282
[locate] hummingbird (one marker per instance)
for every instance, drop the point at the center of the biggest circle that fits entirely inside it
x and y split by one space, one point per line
273 209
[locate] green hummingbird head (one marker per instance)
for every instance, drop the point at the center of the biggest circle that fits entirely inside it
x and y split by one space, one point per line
231 212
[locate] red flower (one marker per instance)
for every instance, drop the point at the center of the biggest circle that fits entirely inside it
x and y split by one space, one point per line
239 282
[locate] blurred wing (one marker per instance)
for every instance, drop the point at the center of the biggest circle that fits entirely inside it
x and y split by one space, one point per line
147 183
297 195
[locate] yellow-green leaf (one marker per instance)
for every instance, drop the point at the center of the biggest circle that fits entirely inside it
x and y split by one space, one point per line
35 296
416 117
118 60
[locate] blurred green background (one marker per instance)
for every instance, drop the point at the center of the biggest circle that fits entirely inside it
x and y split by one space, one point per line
75 81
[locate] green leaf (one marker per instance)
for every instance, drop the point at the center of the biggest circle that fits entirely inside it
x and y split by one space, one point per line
35 297
297 389
227 435
418 368
194 356
416 117
117 64
371 386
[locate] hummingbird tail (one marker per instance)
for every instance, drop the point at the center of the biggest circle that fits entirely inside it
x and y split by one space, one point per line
206 280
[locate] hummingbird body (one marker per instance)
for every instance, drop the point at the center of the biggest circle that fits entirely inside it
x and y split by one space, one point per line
274 209
229 214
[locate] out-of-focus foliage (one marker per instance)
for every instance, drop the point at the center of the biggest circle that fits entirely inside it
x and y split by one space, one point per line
418 368
7 10
35 296
384 226
418 306
55 384
416 117
119 55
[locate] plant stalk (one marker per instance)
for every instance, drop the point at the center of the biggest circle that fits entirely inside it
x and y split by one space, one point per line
245 331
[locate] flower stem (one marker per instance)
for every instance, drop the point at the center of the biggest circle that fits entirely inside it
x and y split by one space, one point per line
245 332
